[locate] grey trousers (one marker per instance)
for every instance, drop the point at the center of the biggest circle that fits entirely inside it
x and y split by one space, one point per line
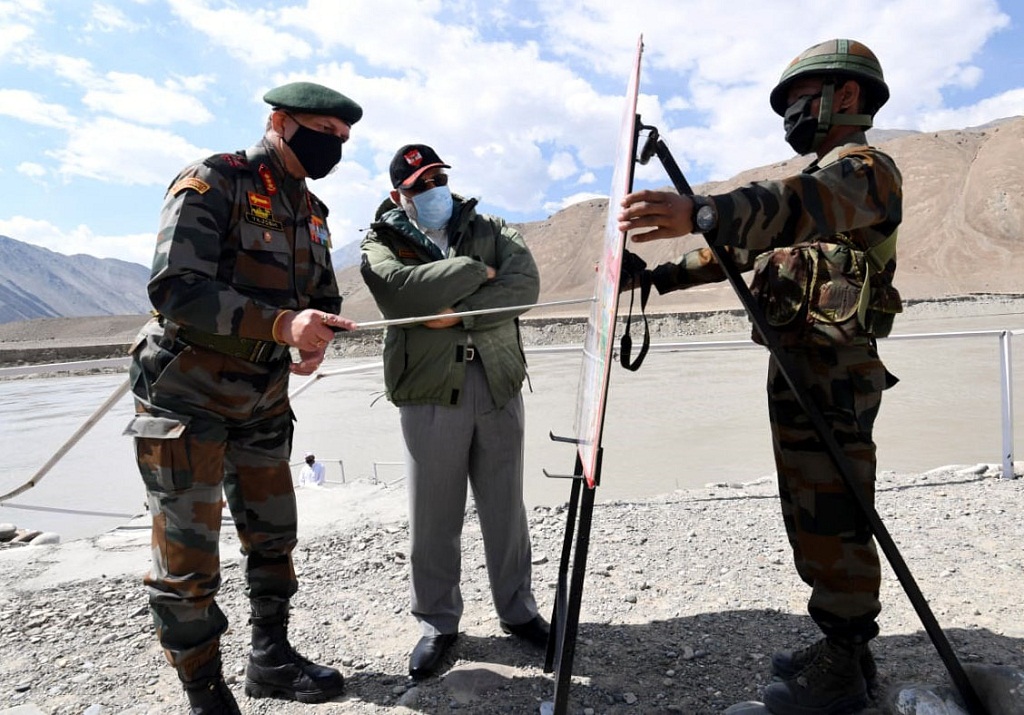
444 446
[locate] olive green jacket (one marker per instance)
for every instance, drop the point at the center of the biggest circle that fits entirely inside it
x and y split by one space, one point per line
409 276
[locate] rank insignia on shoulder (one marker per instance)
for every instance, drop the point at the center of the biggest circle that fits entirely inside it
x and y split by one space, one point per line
189 182
268 179
234 160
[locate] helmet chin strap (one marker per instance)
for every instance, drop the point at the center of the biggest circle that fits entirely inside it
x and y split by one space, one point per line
827 119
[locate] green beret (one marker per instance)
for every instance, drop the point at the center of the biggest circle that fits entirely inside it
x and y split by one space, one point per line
313 98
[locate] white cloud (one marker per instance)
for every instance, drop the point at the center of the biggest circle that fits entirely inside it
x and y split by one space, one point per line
108 18
30 107
562 166
12 37
141 99
137 248
31 169
74 69
721 79
114 151
1007 104
566 201
247 33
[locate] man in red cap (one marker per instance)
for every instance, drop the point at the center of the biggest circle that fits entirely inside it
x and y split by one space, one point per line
456 382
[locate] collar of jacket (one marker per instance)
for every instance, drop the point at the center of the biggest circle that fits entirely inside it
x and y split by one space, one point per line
263 152
855 139
463 211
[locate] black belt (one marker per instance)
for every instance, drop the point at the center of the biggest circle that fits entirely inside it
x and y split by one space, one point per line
465 353
259 351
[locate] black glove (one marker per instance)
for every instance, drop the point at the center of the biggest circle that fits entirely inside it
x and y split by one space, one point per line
633 273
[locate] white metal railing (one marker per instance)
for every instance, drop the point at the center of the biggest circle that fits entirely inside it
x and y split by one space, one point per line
1005 338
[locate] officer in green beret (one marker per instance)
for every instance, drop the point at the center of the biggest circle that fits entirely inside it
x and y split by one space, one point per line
822 244
242 280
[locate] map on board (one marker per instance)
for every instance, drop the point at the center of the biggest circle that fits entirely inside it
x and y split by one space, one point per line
597 346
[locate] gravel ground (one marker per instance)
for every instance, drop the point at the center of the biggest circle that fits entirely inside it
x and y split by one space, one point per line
686 597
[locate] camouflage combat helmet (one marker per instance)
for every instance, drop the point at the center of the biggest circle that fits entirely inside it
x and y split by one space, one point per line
839 59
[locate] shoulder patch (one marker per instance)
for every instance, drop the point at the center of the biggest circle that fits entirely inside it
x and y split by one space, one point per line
189 182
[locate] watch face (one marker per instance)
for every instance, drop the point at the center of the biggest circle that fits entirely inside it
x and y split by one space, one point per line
706 218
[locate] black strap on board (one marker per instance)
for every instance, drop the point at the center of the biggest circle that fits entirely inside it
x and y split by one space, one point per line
626 342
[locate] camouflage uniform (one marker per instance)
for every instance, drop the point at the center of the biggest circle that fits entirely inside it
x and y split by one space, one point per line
239 241
845 204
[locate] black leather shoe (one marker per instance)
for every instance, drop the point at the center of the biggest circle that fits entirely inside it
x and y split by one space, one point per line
534 631
429 653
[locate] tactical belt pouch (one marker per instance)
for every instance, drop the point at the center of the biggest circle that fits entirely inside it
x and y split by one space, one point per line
814 293
258 351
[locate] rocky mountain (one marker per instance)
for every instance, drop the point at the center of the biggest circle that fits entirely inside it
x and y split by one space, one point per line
963 232
38 283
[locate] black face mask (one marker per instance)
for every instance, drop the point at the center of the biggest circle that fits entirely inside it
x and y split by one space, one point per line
318 152
800 125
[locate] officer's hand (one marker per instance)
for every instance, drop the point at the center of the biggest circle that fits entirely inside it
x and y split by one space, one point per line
490 272
633 273
667 214
443 322
309 361
310 330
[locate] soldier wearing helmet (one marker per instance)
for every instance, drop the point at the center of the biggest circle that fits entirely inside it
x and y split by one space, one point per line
822 245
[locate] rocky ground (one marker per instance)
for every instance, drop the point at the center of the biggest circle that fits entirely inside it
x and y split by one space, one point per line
686 597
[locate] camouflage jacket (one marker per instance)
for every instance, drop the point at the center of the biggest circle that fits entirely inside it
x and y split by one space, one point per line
835 216
239 241
408 276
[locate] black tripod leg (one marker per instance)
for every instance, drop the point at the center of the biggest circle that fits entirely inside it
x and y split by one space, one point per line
561 590
567 652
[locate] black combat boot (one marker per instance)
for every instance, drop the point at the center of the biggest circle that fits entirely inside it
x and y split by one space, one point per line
787 664
275 670
832 683
207 692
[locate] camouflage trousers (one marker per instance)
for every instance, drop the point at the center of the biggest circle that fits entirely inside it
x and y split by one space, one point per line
191 458
833 549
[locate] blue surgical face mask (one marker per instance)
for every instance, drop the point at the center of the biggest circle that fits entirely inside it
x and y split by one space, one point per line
433 207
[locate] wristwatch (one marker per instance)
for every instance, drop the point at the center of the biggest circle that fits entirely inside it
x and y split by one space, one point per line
705 215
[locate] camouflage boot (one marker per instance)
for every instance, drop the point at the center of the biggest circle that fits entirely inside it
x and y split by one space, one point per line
207 692
787 664
275 670
831 684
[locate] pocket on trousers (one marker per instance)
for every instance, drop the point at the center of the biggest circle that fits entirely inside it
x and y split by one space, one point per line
162 452
867 380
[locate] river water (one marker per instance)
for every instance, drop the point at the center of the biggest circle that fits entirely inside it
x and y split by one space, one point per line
685 419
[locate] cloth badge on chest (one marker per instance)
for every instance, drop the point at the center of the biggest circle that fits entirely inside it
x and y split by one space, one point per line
261 212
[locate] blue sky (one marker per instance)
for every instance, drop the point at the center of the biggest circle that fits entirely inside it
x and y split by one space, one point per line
101 103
